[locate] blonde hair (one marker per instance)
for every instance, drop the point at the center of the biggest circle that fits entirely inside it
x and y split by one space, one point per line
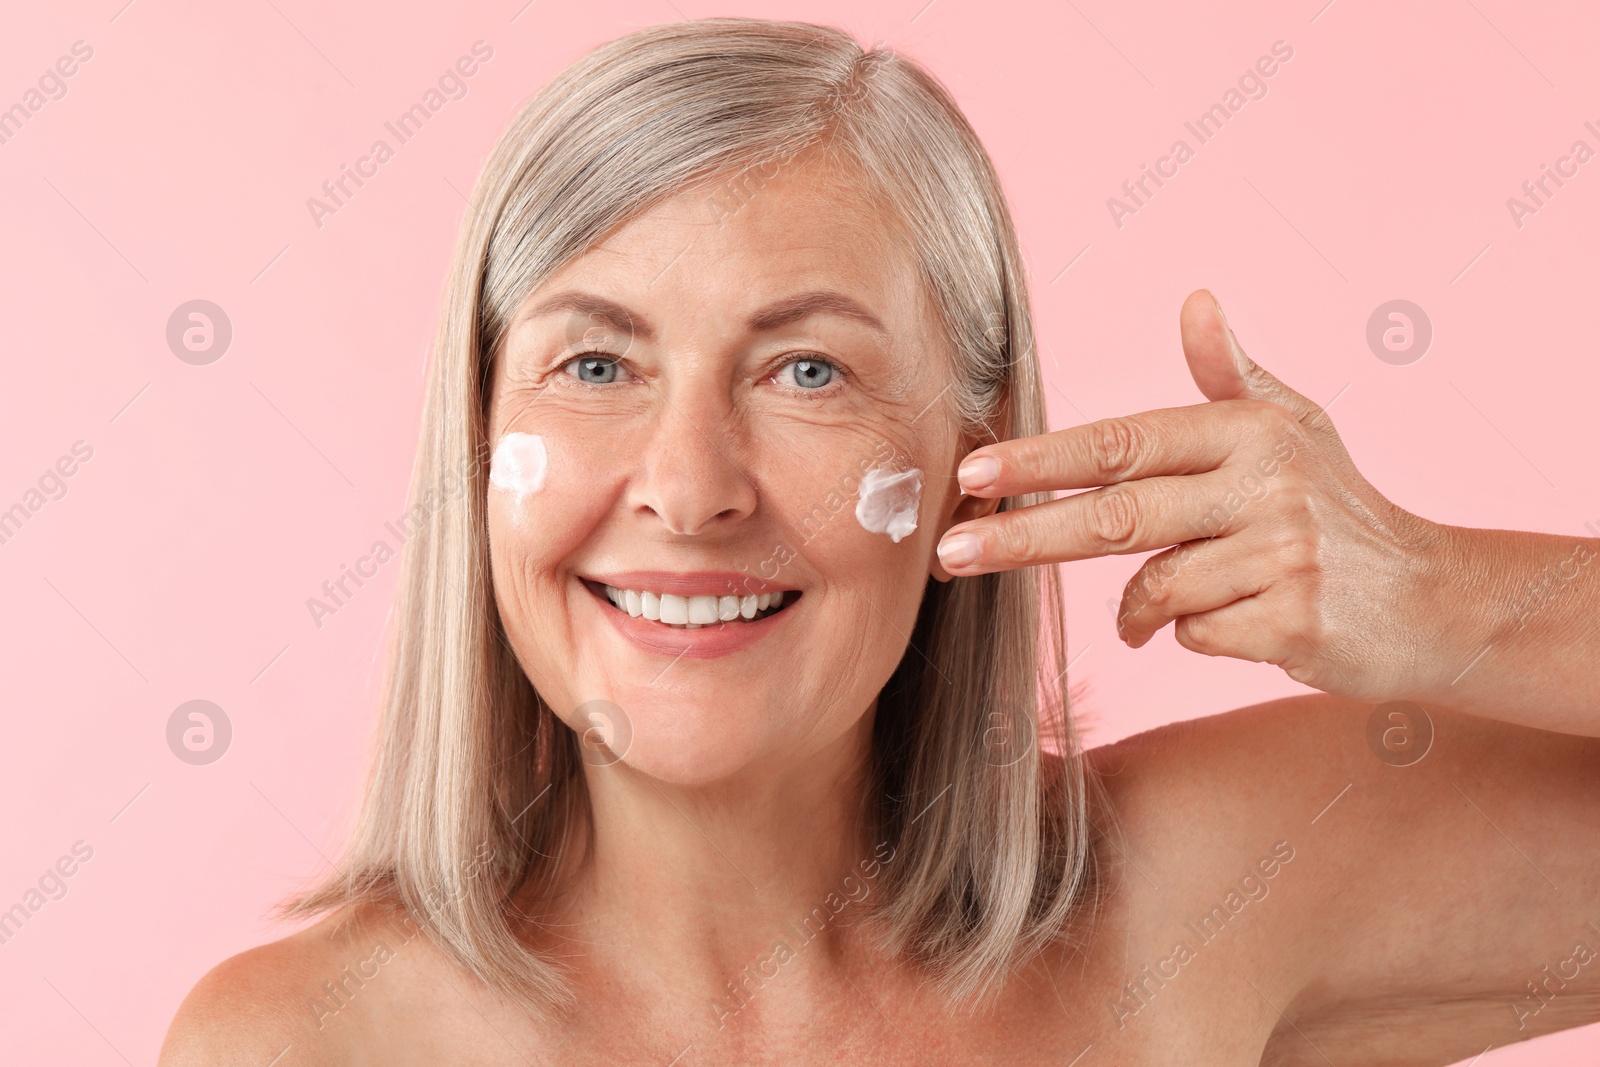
475 780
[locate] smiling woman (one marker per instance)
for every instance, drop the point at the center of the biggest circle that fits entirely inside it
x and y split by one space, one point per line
648 702
699 384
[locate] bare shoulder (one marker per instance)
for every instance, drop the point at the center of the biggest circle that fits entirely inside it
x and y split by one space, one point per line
1201 802
1304 849
1229 775
1293 764
1210 834
273 1003
1223 808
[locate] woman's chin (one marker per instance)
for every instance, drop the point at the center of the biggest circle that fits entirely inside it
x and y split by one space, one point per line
695 745
684 764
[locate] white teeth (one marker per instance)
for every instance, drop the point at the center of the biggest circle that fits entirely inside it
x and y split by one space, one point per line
690 612
674 608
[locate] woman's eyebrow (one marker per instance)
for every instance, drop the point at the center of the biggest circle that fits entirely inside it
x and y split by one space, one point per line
818 301
598 310
602 312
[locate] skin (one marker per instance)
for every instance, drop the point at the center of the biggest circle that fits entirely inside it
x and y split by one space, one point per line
1274 548
1415 901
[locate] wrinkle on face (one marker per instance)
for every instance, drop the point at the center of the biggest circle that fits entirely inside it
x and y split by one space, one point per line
700 460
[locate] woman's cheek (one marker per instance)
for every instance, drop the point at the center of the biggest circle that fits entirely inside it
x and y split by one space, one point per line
518 468
852 518
547 495
542 491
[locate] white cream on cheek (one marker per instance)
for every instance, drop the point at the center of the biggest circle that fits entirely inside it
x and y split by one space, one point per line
519 464
888 502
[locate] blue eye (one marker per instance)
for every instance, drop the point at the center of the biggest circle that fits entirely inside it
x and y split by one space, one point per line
596 370
811 373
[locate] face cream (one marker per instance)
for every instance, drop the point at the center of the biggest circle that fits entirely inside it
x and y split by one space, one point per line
888 502
518 464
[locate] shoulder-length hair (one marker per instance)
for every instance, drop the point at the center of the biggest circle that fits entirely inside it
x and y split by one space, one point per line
976 777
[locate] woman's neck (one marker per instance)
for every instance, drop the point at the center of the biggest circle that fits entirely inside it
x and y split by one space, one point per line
700 886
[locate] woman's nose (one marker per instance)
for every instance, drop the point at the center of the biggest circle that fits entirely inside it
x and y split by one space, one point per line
691 479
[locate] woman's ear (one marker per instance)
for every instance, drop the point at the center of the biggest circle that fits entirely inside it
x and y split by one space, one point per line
958 509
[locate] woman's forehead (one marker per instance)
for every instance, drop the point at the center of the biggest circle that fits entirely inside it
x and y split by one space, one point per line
808 213
756 239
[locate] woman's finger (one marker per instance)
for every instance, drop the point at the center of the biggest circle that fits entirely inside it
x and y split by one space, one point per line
1195 577
1223 371
1250 629
1134 516
1167 441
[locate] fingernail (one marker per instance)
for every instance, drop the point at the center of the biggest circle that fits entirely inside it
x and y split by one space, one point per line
958 550
1240 360
1218 305
978 473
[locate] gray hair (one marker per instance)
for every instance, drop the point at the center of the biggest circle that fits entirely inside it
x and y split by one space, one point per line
476 780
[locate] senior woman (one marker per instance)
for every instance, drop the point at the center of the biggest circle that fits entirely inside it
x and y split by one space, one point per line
725 721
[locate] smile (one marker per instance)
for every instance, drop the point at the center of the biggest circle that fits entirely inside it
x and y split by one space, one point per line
660 612
693 612
666 602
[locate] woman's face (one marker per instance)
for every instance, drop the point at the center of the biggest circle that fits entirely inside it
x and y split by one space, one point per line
709 386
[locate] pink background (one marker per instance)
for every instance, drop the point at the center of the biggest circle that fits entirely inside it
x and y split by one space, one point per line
220 497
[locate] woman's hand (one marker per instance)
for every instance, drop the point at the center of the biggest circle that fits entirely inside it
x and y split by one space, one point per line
1281 551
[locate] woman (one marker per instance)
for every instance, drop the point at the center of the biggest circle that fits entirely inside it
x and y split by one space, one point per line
724 719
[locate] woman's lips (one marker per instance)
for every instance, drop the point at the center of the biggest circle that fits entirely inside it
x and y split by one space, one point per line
702 594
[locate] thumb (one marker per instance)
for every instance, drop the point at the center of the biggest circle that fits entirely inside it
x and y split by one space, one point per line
1222 370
